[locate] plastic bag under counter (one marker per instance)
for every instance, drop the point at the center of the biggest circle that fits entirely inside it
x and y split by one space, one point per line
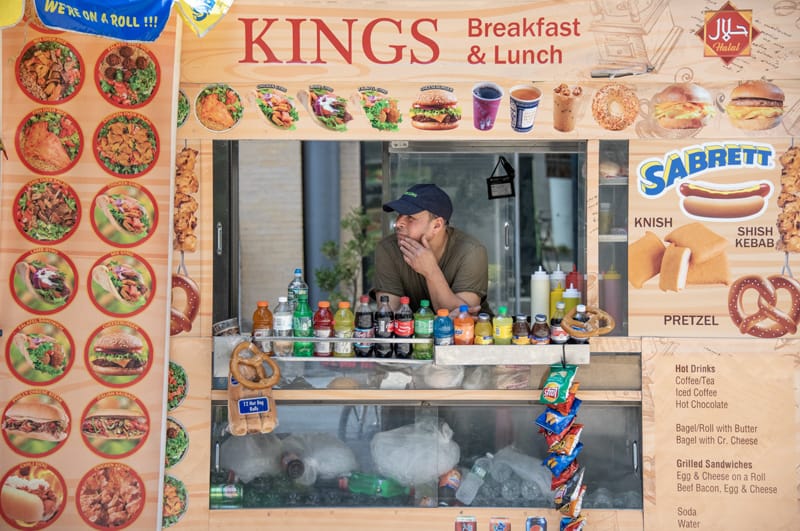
223 346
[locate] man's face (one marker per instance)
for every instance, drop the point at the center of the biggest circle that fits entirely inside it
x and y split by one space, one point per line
415 226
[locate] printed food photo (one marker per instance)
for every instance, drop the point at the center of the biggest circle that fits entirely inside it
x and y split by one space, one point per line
33 495
175 501
115 425
49 141
177 443
121 284
36 424
110 495
124 215
44 281
755 105
218 107
724 202
328 109
277 108
40 352
46 210
126 145
127 75
382 111
435 110
50 70
177 386
683 106
118 356
183 108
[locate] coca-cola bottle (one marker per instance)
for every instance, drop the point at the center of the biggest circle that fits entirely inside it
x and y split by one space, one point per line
403 328
364 328
384 328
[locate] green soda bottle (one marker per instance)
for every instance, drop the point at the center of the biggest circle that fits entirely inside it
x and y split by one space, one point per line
423 329
303 326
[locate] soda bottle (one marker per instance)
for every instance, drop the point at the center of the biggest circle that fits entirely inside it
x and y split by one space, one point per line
372 485
502 327
557 333
323 327
384 328
520 330
473 480
343 327
540 331
448 485
443 330
464 327
283 323
423 329
296 287
364 328
262 326
581 316
303 326
484 331
403 328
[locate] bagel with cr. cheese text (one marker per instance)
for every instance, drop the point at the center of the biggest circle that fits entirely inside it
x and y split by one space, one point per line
727 202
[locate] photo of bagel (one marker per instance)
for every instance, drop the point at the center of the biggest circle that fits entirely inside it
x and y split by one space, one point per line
117 424
615 106
44 283
724 202
683 106
118 354
755 105
34 419
29 501
41 353
124 283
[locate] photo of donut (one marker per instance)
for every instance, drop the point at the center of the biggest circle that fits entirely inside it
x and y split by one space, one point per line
118 354
33 495
615 106
40 352
121 284
36 423
126 145
49 141
110 495
124 214
43 281
115 424
218 107
46 210
50 70
127 75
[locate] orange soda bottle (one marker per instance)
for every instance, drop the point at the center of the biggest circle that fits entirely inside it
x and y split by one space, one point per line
464 327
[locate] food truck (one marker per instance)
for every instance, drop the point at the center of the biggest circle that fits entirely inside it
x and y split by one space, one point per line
168 165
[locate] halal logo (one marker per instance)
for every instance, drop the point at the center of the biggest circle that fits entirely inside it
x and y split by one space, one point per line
728 33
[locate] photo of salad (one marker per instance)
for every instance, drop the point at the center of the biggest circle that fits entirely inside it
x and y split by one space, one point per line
381 110
218 107
175 500
124 214
329 109
50 71
43 280
126 145
40 352
46 210
183 107
127 75
177 443
49 141
177 386
276 106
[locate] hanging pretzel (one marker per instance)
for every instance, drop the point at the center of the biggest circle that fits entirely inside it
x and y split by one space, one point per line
600 323
253 364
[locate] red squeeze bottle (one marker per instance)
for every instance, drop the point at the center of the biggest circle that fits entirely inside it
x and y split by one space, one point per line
575 279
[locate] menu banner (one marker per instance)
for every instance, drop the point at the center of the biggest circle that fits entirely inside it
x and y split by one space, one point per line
85 250
141 21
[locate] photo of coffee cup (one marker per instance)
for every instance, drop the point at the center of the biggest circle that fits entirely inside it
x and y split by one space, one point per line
566 107
486 98
524 104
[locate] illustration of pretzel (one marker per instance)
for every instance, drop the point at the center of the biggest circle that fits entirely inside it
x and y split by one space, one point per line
254 376
181 318
600 323
778 322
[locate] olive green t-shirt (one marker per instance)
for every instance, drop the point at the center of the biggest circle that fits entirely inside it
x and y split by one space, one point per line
464 263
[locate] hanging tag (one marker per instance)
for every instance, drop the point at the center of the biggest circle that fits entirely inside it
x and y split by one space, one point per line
500 186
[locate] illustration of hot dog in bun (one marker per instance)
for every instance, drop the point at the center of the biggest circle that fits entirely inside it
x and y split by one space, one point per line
32 501
724 202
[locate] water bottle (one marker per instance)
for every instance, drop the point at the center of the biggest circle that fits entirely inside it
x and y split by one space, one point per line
303 326
384 327
403 328
464 327
343 327
296 287
443 330
323 327
473 480
364 328
262 326
423 329
282 319
502 327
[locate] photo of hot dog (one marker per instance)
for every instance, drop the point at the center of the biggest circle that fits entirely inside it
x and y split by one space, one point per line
724 202
115 424
29 500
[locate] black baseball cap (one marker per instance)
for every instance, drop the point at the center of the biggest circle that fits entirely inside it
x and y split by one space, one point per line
422 197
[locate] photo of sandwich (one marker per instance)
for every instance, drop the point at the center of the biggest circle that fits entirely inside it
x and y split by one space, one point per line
38 357
121 284
329 109
218 107
41 285
32 496
755 105
435 110
277 108
116 424
118 358
49 141
32 418
683 106
381 110
46 210
124 215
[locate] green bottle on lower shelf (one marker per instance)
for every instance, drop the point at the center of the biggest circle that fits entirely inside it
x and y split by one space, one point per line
373 485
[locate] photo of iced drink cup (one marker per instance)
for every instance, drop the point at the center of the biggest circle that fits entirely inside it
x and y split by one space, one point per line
486 98
524 101
566 106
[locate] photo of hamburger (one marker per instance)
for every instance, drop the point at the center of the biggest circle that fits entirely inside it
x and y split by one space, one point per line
756 105
36 420
683 106
29 500
120 424
436 110
118 354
